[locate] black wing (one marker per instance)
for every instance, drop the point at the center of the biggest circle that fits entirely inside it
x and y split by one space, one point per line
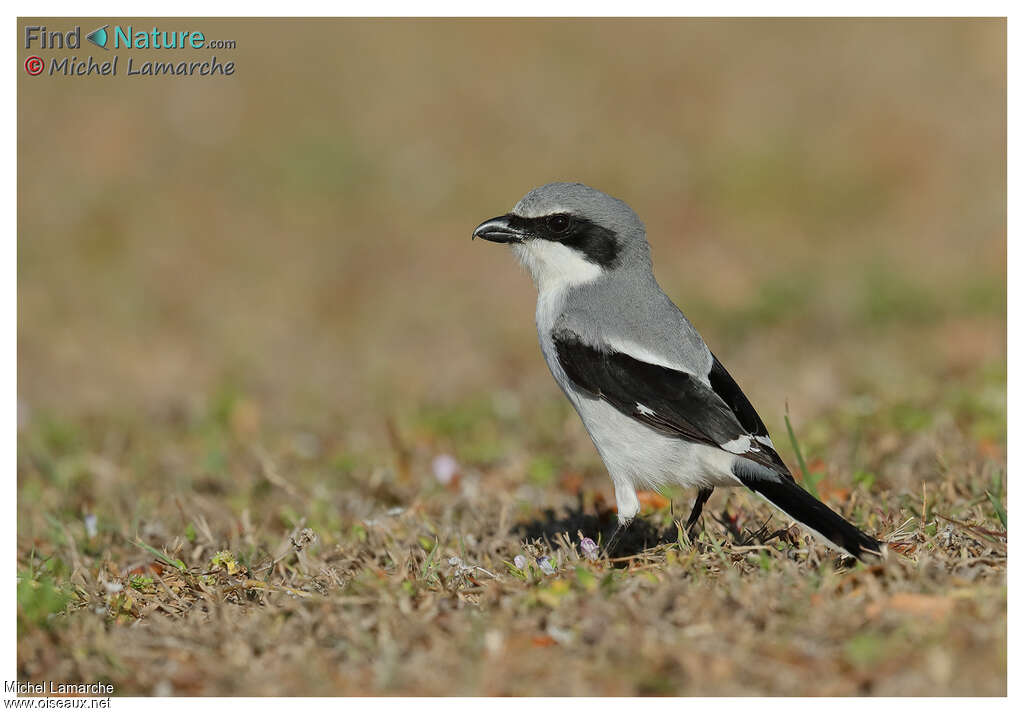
729 392
669 401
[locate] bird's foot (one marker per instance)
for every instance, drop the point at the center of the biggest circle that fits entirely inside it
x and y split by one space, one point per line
609 546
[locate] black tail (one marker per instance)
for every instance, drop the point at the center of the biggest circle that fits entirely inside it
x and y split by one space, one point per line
805 508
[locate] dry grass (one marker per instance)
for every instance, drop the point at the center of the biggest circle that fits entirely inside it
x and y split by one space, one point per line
424 597
254 319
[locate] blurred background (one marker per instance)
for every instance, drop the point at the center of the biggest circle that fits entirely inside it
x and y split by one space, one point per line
824 198
252 302
302 227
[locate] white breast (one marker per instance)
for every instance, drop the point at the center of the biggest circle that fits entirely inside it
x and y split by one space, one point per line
636 454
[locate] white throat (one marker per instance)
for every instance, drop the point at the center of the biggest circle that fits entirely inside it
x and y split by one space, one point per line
554 266
554 269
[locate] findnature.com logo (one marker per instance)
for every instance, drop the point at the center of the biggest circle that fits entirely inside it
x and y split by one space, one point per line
123 37
127 38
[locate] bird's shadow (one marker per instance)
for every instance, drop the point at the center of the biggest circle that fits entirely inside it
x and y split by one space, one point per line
638 537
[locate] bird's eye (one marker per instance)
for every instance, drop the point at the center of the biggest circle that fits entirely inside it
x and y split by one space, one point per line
559 223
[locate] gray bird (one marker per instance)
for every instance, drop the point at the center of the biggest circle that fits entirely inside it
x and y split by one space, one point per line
659 406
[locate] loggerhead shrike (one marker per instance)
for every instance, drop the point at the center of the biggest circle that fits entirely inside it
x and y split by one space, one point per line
659 406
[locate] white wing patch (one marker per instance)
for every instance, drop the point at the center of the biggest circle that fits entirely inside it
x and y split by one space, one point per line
646 411
642 354
767 441
739 445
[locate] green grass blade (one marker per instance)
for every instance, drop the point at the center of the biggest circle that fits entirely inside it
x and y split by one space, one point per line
998 505
428 564
809 483
161 557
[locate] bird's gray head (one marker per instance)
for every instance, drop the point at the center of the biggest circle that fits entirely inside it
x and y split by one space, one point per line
567 233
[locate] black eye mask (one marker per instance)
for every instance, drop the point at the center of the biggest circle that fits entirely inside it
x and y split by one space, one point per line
596 243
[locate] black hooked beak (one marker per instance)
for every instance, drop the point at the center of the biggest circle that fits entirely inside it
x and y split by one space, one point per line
499 230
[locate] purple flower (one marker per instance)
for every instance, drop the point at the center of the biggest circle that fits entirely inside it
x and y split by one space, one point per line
520 562
545 565
589 548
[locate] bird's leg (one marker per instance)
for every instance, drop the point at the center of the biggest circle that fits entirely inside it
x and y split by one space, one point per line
627 505
703 495
616 534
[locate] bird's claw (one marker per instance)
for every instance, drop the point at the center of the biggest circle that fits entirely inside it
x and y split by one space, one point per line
616 535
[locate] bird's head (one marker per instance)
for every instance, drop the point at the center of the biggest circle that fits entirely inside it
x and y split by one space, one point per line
568 233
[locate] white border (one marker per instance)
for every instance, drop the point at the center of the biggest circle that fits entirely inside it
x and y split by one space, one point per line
539 8
525 8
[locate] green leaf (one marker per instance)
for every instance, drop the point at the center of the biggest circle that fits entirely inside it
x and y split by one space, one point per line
38 599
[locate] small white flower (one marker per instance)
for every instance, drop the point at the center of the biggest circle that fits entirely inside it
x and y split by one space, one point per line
445 467
545 565
520 562
90 524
